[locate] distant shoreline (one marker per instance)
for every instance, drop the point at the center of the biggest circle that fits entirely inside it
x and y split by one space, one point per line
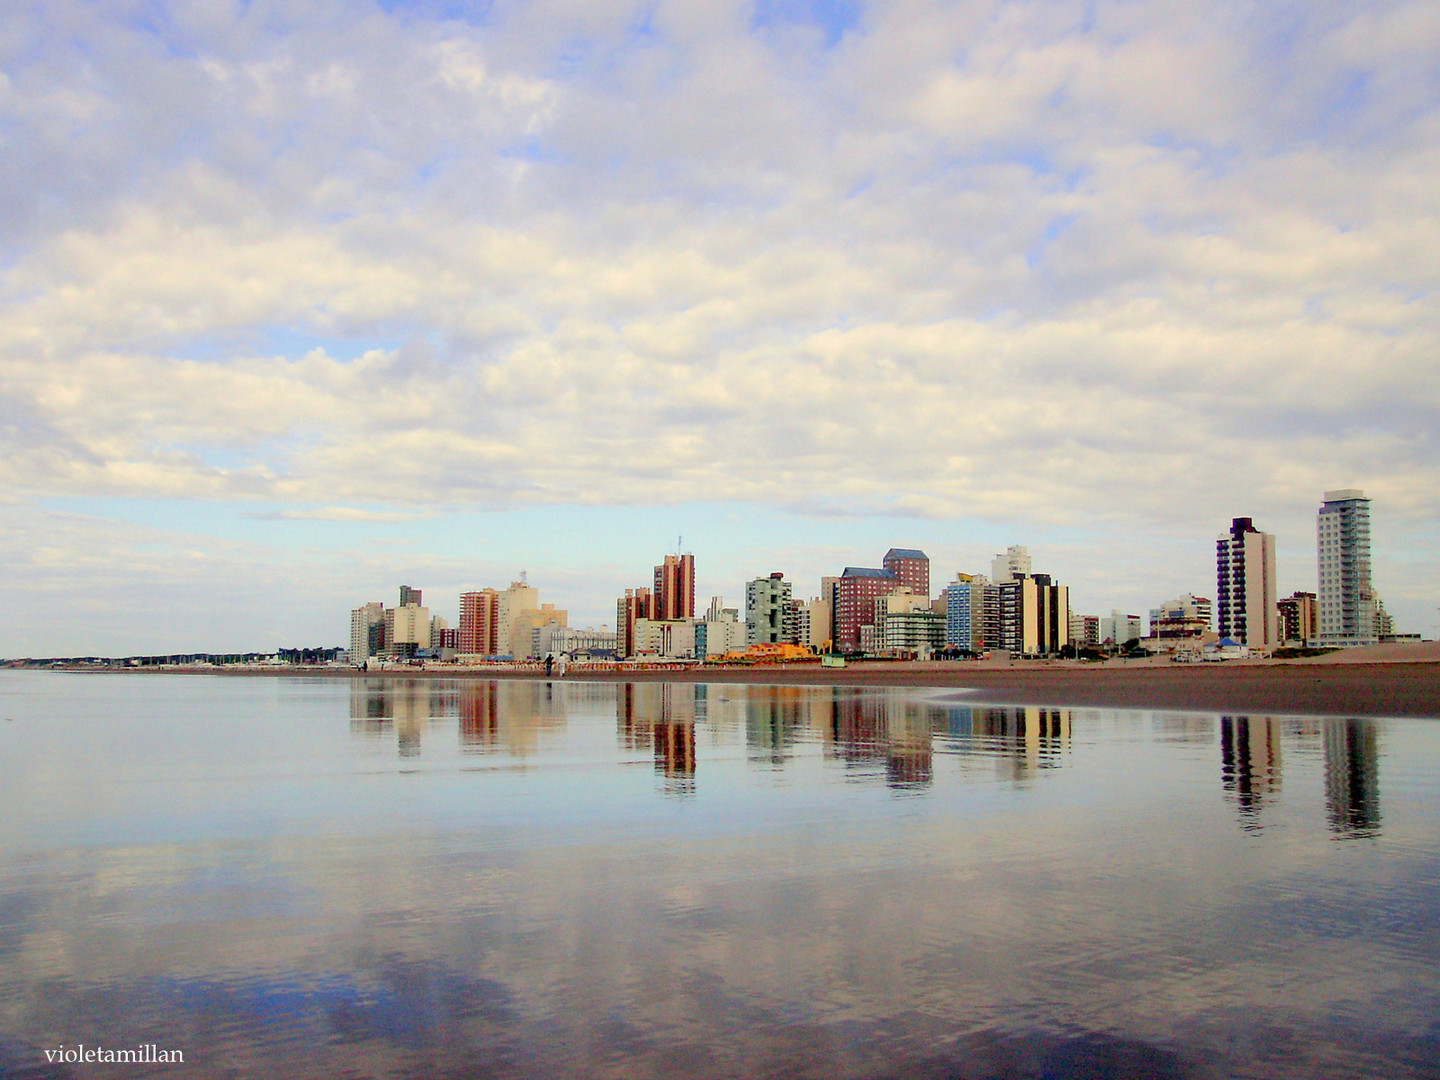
1375 688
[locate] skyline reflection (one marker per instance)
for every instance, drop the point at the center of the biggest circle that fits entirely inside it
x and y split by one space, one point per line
888 735
449 879
1352 777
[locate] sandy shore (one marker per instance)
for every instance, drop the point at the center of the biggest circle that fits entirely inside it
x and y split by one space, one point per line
1377 682
1393 689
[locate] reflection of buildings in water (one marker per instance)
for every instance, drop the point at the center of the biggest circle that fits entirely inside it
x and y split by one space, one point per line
1020 739
1250 763
497 715
661 716
408 704
1352 776
641 707
510 715
883 731
774 717
675 753
1183 728
479 717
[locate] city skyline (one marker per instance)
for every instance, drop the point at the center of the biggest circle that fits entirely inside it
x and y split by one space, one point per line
299 302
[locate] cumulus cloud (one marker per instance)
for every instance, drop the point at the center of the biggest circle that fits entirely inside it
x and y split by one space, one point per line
1037 263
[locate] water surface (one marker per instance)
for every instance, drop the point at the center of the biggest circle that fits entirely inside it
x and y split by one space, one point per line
324 878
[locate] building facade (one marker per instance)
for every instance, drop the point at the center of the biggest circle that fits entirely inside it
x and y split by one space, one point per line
1012 562
367 632
797 623
1084 631
911 569
920 631
1119 627
1346 596
965 612
1299 619
856 591
552 639
674 595
479 631
767 600
1186 616
1245 585
407 630
1034 615
629 609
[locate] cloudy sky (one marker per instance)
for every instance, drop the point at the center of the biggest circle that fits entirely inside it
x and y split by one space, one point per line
301 301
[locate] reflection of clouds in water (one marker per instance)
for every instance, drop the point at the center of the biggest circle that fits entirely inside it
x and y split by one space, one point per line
840 953
1078 923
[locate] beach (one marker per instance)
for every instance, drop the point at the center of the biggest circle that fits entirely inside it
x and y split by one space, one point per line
1378 681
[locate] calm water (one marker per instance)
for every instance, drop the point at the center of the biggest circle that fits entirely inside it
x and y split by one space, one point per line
313 878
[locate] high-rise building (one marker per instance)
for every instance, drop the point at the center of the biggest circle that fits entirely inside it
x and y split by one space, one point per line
1034 615
674 595
519 598
1245 585
479 631
1347 600
797 623
911 569
524 624
856 591
766 600
410 596
635 605
367 632
965 612
407 630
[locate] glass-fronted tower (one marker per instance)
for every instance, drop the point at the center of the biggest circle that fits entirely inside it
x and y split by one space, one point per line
1347 599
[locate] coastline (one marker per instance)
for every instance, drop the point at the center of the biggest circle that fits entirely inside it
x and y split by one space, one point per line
1337 687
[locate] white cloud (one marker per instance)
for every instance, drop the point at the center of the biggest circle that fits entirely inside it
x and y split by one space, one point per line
1141 272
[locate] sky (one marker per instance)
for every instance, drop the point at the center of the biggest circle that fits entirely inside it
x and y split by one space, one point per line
303 301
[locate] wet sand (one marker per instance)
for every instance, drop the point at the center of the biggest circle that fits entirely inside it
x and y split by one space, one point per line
1391 689
1355 683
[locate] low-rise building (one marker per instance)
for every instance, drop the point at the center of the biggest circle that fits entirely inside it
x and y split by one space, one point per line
1117 628
666 639
552 639
1299 615
1085 631
918 630
1186 616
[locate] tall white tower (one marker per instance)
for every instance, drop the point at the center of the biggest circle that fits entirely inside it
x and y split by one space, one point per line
1347 599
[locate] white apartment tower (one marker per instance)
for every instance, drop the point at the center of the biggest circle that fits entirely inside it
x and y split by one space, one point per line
1245 584
1347 600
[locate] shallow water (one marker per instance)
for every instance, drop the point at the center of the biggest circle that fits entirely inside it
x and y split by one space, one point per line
314 878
